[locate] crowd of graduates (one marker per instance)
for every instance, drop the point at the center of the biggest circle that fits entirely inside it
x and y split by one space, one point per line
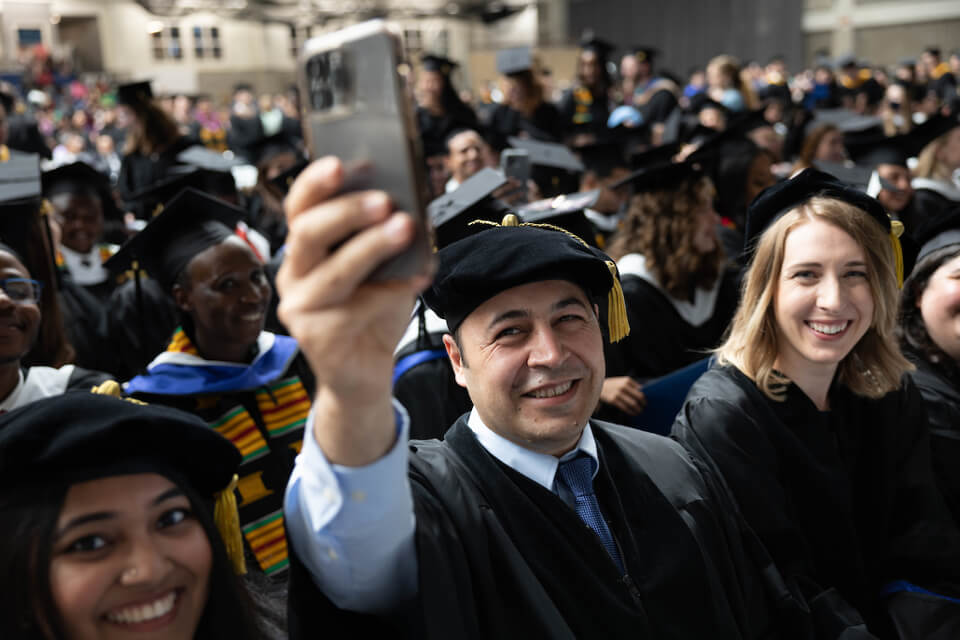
698 341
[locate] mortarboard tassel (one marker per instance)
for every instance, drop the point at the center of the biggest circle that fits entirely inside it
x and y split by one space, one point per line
896 230
616 308
228 524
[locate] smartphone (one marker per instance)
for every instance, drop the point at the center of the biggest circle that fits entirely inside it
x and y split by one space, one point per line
515 163
357 106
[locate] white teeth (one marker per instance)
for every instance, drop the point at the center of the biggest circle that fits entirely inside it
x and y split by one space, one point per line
551 392
144 612
829 329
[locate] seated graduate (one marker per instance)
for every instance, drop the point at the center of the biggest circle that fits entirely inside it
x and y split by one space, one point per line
21 318
118 519
679 290
82 203
528 520
939 158
930 339
525 112
810 418
247 383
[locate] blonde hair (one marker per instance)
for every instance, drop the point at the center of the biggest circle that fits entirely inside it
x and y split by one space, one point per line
874 366
927 164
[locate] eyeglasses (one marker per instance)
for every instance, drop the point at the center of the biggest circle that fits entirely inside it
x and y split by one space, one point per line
22 290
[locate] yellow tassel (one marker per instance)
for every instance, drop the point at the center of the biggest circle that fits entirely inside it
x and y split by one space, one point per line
616 308
897 257
108 388
228 523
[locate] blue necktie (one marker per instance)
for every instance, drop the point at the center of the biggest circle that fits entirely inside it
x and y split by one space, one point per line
577 474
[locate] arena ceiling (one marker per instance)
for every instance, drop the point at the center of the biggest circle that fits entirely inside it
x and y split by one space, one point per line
318 11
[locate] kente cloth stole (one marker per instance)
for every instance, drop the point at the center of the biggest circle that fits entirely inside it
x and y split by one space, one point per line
284 406
180 343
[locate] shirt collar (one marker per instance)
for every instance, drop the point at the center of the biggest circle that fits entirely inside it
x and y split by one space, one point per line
539 467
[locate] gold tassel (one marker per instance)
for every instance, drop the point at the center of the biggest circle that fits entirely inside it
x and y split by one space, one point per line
228 523
616 308
108 388
896 230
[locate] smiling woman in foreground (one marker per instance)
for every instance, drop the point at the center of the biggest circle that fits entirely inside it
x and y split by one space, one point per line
107 524
810 418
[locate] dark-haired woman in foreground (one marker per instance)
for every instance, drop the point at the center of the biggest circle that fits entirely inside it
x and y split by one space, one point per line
813 424
107 525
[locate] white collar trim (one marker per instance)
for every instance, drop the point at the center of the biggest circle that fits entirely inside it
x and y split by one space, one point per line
694 313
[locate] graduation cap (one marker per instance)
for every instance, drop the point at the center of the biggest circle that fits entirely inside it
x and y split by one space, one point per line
846 61
515 60
873 148
20 198
556 169
215 183
654 155
844 120
939 231
747 121
206 158
564 211
857 177
482 265
81 178
440 64
590 42
134 93
602 157
787 195
645 54
77 437
934 127
275 145
189 224
283 181
452 213
660 177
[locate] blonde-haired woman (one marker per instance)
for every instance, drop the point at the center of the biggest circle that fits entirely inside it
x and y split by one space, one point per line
809 416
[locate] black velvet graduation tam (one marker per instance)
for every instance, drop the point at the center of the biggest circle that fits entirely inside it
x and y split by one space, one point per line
477 268
85 435
787 195
938 232
191 223
452 213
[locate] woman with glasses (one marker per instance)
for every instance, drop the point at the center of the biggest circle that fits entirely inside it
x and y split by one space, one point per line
19 327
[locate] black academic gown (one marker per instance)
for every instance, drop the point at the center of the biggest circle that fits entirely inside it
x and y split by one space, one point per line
138 171
501 557
84 320
661 340
584 113
942 399
134 335
845 501
926 205
545 124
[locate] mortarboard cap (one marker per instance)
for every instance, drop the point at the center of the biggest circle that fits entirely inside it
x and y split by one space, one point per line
933 50
477 268
654 155
20 197
285 179
566 212
845 61
205 158
787 195
857 177
934 127
81 178
274 145
590 42
220 184
645 54
188 225
440 64
134 93
845 120
660 177
452 213
601 157
555 168
873 148
939 231
514 60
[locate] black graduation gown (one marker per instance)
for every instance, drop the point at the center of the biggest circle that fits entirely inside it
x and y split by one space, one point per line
134 337
84 320
661 340
545 125
926 205
942 399
583 112
501 557
137 172
845 501
429 392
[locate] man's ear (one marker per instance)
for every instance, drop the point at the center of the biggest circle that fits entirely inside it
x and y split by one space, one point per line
596 311
181 298
456 359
